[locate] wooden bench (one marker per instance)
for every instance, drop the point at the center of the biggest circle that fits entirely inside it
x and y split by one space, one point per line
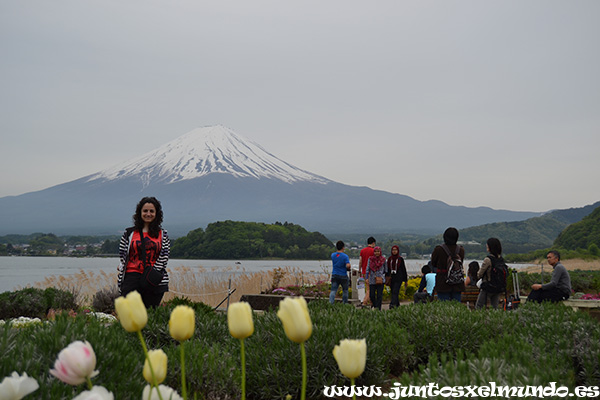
469 296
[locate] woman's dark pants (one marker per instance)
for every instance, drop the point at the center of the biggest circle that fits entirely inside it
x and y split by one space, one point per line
131 282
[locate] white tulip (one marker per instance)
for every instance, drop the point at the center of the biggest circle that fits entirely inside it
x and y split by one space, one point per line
97 393
165 391
15 387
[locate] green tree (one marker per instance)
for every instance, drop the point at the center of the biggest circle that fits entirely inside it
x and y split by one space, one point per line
110 247
243 240
582 234
47 244
190 246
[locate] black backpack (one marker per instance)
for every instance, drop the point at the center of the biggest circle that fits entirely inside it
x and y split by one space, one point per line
497 282
454 265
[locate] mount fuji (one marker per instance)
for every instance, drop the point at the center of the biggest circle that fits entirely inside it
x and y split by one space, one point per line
213 174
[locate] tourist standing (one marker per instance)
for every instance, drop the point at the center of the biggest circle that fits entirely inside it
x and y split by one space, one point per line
339 273
396 272
365 254
448 290
144 252
376 270
486 292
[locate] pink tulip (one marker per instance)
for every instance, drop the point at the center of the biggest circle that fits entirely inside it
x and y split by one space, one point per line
75 363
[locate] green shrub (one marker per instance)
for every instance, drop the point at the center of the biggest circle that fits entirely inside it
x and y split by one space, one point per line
104 299
198 307
566 343
34 303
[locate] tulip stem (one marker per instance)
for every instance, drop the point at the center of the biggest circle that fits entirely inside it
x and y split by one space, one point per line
353 392
183 384
243 369
153 384
303 353
89 382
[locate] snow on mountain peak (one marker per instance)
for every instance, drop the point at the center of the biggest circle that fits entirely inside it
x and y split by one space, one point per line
213 149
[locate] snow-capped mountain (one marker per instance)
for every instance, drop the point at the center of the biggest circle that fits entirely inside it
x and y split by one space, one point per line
203 151
213 174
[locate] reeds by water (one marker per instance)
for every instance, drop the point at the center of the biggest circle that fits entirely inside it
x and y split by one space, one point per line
209 286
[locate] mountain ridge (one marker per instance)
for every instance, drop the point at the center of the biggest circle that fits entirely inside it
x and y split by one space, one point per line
212 174
532 233
202 151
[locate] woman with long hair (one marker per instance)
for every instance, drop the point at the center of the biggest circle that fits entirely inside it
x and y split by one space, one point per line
448 291
144 252
376 270
494 248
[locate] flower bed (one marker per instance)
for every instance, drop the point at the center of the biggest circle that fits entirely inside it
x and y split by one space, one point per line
320 289
265 302
439 342
589 303
590 296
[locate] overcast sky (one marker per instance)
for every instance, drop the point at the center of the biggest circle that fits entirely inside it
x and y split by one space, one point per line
475 103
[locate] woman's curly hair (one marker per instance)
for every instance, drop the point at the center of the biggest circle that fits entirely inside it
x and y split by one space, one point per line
156 225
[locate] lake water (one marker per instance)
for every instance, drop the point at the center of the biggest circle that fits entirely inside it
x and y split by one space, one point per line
20 272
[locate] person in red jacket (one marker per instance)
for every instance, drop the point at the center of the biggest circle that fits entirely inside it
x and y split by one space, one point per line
365 254
144 247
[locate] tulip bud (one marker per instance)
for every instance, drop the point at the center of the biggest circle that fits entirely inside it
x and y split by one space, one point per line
293 313
351 356
75 363
239 319
17 387
131 312
158 358
182 323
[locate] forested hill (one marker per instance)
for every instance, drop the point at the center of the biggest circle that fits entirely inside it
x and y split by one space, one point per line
244 240
582 234
530 234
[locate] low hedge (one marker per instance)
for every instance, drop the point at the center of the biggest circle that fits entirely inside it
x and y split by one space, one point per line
34 303
417 344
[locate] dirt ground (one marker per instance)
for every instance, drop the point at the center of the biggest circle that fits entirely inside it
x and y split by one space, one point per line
571 265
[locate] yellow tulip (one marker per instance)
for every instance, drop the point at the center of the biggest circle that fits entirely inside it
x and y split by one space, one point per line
351 357
158 358
293 313
182 323
131 312
239 319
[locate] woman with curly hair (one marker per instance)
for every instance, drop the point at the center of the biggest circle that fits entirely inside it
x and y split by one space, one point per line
144 252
